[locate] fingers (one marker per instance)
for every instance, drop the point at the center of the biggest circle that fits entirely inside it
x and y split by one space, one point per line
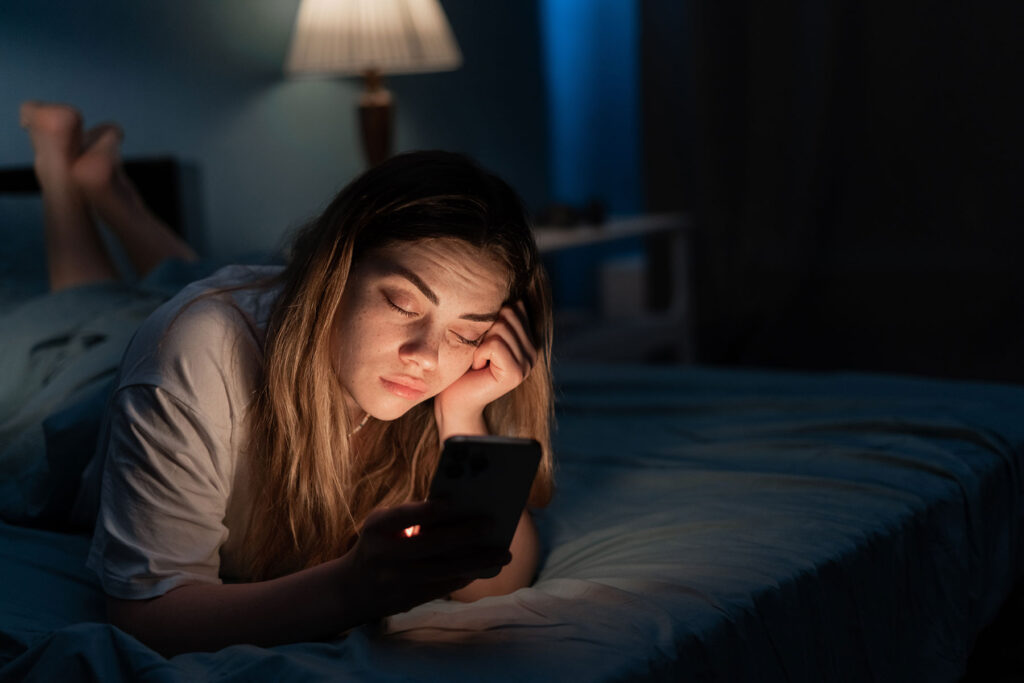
445 538
404 572
508 342
476 565
497 351
390 522
516 322
508 363
470 563
439 528
519 321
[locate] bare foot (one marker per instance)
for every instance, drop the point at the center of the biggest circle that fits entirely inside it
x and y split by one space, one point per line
75 254
56 134
99 175
98 169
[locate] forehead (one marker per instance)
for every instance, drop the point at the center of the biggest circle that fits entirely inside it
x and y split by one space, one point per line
443 264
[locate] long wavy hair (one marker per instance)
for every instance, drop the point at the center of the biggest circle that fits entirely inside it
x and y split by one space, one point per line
313 492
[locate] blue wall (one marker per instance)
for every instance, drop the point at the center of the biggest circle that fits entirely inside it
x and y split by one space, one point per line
591 53
591 56
203 81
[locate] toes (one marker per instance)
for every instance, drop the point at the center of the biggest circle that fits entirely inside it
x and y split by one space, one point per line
25 112
49 118
104 134
96 168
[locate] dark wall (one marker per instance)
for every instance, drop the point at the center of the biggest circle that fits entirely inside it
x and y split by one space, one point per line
494 107
857 179
667 95
204 81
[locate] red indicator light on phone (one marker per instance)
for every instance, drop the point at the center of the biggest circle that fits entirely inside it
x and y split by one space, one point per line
411 531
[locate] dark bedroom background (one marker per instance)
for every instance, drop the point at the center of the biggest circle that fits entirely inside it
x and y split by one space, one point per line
858 174
852 168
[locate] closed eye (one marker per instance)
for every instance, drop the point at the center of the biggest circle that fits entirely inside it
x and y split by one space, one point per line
470 342
402 311
412 314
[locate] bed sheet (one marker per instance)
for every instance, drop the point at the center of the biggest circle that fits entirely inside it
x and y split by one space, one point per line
709 525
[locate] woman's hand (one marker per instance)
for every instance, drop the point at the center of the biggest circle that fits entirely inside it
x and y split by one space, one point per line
386 572
392 572
500 364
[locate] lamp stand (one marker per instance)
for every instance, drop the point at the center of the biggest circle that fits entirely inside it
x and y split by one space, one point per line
375 114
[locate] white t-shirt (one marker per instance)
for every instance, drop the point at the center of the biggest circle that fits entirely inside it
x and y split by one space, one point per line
174 497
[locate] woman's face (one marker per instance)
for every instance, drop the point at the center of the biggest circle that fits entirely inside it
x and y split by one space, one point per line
409 321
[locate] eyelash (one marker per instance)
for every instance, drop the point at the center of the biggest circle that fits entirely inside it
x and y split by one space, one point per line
407 314
410 314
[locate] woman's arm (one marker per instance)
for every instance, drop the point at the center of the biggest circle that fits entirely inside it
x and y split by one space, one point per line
384 573
311 604
517 574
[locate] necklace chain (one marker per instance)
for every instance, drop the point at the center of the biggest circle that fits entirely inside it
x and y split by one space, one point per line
359 426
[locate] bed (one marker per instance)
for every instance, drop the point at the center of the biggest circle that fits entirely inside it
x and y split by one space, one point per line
710 524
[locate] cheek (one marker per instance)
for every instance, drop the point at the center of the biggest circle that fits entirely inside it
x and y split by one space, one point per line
362 338
456 364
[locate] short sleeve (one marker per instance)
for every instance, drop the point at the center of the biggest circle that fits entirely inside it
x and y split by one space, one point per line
163 496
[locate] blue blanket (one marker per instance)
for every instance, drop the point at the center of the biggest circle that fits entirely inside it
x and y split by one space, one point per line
708 525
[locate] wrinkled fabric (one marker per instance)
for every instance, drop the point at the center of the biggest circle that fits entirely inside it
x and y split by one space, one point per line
170 478
59 353
708 525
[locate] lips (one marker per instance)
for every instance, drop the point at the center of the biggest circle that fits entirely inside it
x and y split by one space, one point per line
404 387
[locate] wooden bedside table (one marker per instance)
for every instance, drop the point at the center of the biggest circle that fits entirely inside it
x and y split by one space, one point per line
662 330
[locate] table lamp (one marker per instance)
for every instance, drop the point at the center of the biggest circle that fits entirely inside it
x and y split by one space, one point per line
372 38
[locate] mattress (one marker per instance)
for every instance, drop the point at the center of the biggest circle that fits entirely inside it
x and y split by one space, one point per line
709 524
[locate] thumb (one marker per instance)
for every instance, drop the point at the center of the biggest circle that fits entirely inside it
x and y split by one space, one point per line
481 358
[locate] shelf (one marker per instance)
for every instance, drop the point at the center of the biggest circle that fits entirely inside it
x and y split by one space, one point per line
551 239
647 336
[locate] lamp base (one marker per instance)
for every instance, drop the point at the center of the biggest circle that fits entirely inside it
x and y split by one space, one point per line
376 111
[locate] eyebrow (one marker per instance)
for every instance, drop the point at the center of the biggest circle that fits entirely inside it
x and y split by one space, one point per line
396 269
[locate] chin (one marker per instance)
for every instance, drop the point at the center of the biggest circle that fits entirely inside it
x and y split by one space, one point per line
386 411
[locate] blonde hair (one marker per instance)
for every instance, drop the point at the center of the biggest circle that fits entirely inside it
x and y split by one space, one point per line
313 492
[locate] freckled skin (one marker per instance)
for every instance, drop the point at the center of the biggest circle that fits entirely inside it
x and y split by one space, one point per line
372 339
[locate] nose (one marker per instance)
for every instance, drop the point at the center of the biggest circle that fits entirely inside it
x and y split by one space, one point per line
421 350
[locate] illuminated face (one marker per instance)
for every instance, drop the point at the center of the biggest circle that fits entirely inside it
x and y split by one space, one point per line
409 321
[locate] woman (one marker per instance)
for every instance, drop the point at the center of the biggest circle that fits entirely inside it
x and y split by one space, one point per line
275 427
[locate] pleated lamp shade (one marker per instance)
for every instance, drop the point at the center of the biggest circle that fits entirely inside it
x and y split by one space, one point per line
361 36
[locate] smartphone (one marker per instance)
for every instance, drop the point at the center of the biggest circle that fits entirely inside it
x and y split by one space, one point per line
489 476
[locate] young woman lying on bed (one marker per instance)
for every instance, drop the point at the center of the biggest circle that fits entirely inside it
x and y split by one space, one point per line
272 429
